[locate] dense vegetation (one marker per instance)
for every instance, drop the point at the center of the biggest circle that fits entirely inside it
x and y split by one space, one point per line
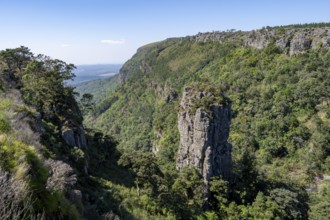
279 132
41 177
36 182
100 88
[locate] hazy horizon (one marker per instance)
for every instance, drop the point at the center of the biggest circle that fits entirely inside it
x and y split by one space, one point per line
85 73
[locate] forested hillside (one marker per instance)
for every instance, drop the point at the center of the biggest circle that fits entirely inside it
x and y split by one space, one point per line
278 80
100 88
220 125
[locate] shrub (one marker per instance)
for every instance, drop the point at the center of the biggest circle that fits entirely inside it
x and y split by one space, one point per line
62 176
4 125
12 204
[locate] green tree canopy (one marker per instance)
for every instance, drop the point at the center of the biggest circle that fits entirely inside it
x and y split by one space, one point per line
44 83
16 59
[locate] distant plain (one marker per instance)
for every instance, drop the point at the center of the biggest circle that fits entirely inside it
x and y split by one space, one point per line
85 73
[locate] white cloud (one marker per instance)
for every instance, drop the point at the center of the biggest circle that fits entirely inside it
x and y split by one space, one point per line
113 42
65 45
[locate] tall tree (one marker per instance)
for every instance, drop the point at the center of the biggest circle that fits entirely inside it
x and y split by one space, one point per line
44 82
16 60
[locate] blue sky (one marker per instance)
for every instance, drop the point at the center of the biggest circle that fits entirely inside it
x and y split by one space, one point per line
110 31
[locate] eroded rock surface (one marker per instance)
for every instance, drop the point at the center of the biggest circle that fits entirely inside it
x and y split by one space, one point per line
203 135
74 135
295 40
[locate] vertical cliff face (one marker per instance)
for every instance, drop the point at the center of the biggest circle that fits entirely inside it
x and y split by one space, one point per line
203 123
295 40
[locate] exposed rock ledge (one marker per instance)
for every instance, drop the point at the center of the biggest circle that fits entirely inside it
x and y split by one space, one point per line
203 136
295 40
74 135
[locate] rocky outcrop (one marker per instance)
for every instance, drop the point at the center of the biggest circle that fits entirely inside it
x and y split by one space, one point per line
204 131
74 135
296 40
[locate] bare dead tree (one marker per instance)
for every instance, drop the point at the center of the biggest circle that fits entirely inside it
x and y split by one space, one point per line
13 205
62 175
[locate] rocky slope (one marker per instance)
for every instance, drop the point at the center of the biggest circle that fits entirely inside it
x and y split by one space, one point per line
44 158
33 179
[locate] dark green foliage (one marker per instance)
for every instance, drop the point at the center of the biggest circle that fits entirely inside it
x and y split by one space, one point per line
190 186
292 203
220 193
16 60
4 125
320 204
279 130
145 168
265 208
43 85
86 103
